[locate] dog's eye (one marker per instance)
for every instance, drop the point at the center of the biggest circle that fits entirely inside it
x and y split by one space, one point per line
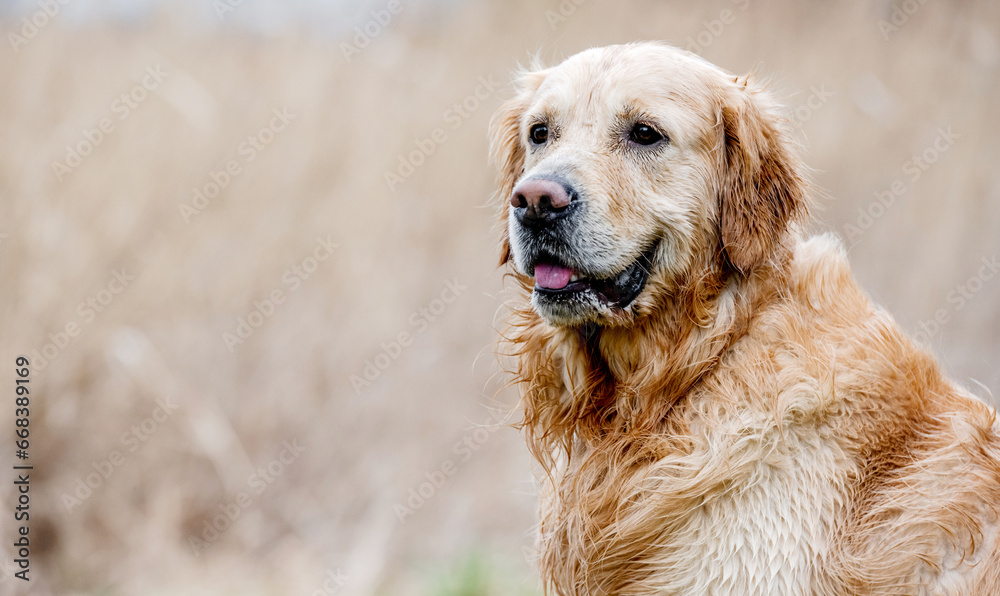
539 133
644 134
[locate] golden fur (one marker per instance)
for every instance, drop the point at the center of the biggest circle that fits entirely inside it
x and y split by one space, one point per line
751 423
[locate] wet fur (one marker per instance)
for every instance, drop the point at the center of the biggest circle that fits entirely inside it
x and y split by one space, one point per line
752 424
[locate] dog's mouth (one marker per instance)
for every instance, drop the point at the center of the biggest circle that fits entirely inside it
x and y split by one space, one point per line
557 281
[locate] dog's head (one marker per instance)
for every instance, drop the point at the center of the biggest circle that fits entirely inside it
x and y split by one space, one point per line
628 169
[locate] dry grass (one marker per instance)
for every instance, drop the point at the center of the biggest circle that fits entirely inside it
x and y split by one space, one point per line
333 507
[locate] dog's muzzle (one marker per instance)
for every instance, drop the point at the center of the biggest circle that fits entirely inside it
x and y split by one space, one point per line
546 212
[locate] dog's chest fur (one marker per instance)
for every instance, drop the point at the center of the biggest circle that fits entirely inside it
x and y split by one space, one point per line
767 528
748 509
755 507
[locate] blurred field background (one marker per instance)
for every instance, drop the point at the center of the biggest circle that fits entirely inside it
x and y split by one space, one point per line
865 97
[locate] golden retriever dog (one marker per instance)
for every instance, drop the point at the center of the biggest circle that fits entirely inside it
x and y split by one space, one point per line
716 405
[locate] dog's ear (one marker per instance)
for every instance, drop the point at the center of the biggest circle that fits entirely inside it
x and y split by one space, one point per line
507 148
762 187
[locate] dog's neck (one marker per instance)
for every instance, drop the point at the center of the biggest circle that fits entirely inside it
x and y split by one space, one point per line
591 382
664 353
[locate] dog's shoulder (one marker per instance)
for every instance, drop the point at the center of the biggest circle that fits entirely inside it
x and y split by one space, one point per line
820 275
926 453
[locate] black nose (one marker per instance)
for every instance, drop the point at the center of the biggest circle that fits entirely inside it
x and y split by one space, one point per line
540 201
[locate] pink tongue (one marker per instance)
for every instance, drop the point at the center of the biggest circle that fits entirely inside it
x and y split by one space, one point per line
552 277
